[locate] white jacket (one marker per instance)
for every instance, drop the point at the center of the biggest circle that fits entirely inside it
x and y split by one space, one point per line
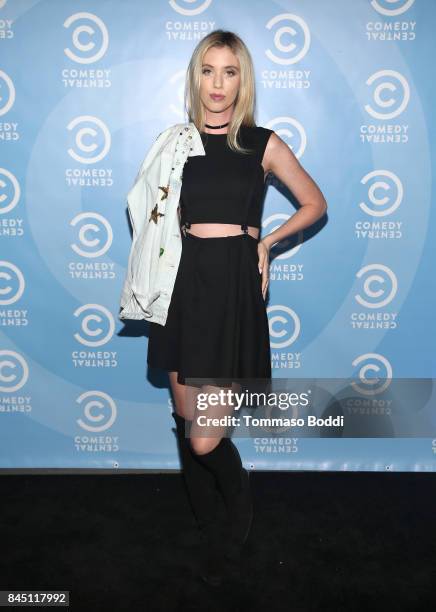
153 209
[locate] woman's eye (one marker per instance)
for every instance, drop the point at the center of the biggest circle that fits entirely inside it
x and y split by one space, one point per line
230 72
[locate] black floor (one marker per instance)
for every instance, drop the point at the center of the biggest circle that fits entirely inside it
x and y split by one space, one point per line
319 541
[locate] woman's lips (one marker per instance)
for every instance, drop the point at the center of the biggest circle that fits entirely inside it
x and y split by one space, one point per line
216 97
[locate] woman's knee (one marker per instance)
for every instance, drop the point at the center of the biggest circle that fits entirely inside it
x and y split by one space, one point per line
201 446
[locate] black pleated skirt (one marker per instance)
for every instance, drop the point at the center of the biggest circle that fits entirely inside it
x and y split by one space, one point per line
217 325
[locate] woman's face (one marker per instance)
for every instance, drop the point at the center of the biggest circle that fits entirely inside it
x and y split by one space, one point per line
220 74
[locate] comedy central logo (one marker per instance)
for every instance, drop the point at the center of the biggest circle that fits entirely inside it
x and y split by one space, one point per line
92 139
291 38
97 325
379 286
99 411
14 371
10 191
284 326
385 193
94 234
12 283
390 95
89 38
374 374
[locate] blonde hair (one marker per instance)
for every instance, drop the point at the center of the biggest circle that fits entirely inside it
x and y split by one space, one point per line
243 113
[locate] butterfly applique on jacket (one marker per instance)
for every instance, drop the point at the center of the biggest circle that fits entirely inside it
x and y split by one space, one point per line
157 242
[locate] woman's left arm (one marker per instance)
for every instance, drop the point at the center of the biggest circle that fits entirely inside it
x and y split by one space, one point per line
281 161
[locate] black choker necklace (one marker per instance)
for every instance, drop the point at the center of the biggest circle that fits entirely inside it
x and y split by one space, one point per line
217 127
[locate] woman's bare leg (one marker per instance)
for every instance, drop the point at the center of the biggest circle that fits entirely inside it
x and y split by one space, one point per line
205 439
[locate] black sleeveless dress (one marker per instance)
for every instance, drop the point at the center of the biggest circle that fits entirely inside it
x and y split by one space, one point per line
217 326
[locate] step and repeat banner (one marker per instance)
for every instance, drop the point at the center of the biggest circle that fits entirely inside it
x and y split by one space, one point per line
85 88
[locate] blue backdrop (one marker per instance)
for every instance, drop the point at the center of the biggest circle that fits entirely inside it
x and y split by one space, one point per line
85 88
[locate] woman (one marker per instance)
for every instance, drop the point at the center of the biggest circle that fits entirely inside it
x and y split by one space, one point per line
217 326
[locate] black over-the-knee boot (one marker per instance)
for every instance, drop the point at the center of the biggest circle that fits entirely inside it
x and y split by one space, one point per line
205 501
225 462
203 495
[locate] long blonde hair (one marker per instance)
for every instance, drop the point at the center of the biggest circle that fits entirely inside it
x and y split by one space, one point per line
243 113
